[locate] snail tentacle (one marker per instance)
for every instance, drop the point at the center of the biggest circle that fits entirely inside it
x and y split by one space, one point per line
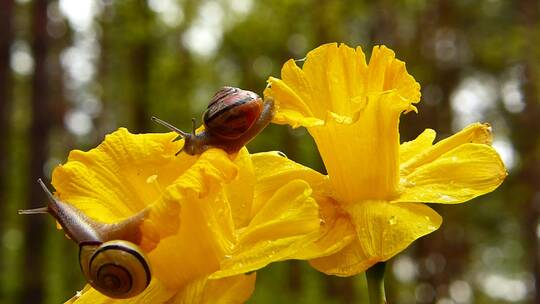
170 126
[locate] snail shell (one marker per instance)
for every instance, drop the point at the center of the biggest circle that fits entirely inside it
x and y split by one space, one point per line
117 269
232 112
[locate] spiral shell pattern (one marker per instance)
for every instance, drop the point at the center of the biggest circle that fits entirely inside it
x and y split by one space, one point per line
118 269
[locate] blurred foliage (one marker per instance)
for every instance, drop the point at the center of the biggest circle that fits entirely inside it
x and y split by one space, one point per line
112 63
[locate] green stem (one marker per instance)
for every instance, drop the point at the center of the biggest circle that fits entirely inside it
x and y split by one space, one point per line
375 282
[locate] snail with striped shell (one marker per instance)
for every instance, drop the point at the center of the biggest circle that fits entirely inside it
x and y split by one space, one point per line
232 119
110 260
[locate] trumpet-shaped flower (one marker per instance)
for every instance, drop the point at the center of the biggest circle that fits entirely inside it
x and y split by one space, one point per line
204 228
372 198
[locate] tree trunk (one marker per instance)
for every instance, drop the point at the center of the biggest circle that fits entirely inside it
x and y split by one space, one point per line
6 37
33 282
527 140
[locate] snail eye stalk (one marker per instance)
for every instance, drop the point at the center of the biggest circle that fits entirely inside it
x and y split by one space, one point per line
193 126
170 127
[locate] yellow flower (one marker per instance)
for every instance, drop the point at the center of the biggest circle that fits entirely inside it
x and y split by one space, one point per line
204 227
373 194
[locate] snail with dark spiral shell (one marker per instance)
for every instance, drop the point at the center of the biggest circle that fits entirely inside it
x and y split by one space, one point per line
232 119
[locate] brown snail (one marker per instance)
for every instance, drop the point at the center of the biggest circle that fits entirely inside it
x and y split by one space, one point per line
110 260
232 119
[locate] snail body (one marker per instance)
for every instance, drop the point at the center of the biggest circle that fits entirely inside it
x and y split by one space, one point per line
109 257
233 118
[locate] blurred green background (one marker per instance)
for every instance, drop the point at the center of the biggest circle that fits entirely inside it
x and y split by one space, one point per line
73 70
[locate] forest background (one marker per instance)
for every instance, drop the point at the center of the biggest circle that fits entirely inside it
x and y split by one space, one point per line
72 71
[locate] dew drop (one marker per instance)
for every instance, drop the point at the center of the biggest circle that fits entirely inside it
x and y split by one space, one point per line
446 198
392 220
151 179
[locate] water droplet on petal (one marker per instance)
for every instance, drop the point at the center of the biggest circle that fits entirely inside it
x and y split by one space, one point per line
151 179
446 198
392 220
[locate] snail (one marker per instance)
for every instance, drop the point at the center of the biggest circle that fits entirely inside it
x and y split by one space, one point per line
232 119
110 260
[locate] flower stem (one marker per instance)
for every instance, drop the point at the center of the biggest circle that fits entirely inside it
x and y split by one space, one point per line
375 282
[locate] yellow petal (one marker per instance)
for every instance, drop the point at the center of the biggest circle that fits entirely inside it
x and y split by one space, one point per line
362 158
290 211
349 261
474 133
156 292
409 149
229 290
457 176
190 253
335 234
336 79
255 256
334 74
330 81
294 77
288 222
240 190
92 181
295 119
273 171
294 111
206 230
384 229
212 168
385 72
